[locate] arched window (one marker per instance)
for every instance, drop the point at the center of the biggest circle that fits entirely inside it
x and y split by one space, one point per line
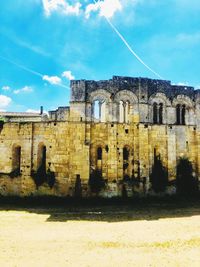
103 111
121 112
183 115
155 113
99 153
16 159
178 112
124 110
125 153
160 113
99 111
96 110
127 111
41 161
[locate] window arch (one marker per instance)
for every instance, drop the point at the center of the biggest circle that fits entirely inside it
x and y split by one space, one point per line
96 110
180 114
99 153
125 153
41 159
121 111
183 114
99 111
124 110
158 113
155 113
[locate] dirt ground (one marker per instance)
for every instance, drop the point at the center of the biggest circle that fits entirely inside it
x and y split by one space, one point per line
108 236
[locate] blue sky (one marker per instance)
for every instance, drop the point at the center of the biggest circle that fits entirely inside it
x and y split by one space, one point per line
45 43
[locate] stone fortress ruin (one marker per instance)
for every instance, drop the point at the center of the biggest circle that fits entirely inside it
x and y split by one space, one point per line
116 127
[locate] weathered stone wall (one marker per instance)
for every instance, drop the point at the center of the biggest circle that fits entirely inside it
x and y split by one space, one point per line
72 137
66 156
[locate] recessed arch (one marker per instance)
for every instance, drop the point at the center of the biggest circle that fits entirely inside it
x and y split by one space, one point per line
41 156
99 100
183 100
159 98
100 95
126 96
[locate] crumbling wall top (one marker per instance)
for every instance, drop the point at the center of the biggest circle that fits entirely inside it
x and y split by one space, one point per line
81 89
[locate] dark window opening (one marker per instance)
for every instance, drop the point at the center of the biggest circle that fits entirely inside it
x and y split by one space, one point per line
42 157
180 114
99 153
126 131
161 113
155 113
16 159
178 119
183 115
125 153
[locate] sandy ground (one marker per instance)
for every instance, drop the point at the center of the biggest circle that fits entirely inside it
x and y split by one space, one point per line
119 237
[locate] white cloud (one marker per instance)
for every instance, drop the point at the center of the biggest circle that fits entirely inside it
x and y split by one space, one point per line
52 79
68 74
4 102
61 6
25 89
5 88
106 8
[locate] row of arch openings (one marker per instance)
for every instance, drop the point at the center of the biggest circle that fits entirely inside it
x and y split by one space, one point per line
16 158
158 114
99 111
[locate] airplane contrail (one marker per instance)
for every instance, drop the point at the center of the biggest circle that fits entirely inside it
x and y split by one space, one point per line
22 67
30 70
128 46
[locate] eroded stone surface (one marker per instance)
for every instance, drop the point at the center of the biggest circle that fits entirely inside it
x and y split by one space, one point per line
71 137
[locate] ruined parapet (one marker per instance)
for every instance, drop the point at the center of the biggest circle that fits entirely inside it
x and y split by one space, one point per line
60 114
127 99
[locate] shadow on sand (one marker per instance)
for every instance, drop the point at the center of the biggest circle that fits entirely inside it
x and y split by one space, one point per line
105 210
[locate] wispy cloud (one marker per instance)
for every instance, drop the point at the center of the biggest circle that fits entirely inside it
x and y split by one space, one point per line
6 88
4 102
68 75
23 43
52 79
106 8
61 6
25 89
